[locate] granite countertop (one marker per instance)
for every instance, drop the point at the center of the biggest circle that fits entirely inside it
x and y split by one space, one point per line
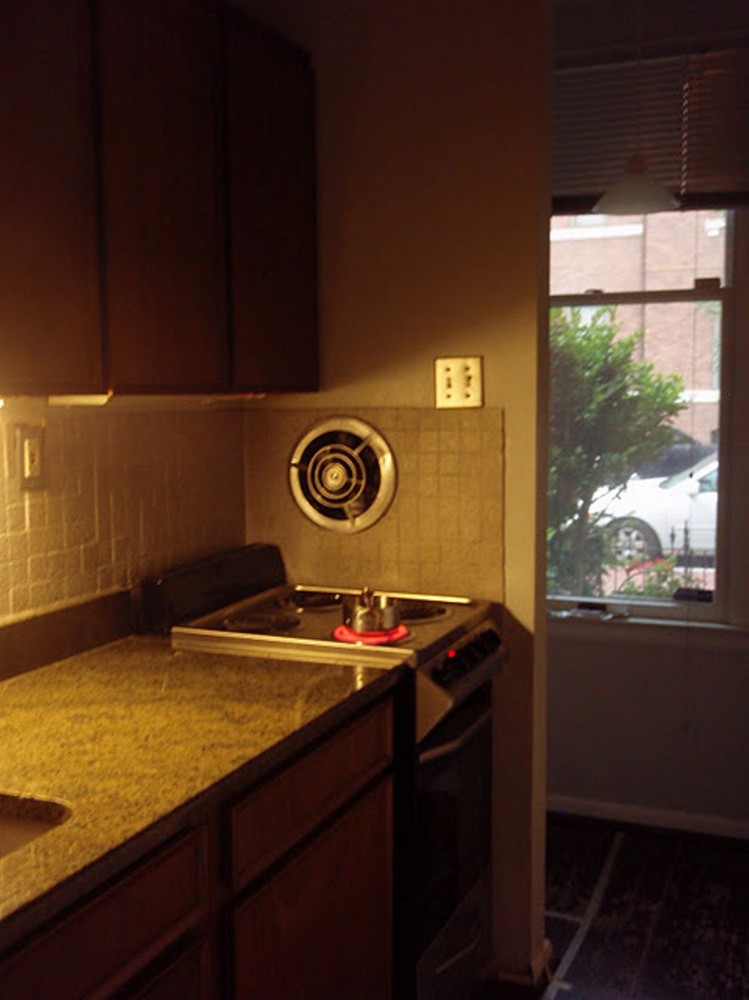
126 733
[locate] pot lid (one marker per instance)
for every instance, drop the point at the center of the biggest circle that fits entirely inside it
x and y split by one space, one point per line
342 474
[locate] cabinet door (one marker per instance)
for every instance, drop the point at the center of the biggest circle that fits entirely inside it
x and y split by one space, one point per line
271 818
49 279
271 157
322 926
112 936
165 272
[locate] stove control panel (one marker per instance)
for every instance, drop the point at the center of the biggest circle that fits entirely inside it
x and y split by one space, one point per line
461 659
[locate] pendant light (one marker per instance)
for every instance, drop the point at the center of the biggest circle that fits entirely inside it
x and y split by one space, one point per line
636 192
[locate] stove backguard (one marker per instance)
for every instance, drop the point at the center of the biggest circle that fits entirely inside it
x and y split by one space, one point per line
190 590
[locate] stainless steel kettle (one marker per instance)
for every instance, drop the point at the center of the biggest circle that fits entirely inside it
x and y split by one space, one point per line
370 612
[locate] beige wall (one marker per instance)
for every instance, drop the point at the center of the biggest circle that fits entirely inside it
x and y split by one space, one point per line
127 494
650 725
433 241
433 213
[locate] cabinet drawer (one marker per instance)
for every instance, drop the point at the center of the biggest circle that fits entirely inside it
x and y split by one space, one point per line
186 977
107 939
273 817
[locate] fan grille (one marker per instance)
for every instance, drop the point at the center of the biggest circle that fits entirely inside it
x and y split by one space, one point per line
342 474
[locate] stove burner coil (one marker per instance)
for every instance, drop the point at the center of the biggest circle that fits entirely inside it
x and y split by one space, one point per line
277 623
317 600
420 611
342 474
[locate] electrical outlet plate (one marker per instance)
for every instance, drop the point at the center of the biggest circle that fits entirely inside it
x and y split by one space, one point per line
31 459
458 382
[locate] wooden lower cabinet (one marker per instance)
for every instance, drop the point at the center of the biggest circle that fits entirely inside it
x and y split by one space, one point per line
280 892
110 938
321 926
280 812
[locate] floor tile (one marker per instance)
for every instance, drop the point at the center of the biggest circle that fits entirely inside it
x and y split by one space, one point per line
635 913
673 922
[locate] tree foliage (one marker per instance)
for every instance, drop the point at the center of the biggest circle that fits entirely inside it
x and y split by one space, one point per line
609 413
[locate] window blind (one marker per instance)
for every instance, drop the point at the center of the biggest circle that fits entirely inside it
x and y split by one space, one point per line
687 115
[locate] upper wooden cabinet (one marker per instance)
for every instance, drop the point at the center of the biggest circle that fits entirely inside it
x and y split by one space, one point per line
49 277
161 178
271 159
158 195
190 144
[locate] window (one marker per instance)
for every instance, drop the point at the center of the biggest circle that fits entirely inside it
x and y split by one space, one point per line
637 337
681 281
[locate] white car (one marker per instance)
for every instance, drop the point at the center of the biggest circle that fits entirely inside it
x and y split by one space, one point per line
651 518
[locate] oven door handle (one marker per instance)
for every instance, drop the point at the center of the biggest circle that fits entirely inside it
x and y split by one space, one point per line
453 746
461 954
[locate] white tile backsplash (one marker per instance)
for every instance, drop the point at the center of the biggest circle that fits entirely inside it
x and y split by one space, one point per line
132 493
128 494
444 530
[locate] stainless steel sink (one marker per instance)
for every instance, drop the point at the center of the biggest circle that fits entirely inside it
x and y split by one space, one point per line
23 819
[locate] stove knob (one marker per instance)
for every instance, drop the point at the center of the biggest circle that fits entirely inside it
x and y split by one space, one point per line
490 641
453 667
469 657
463 661
442 673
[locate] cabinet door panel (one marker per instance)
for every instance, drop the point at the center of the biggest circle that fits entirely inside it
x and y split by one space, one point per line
49 278
166 288
272 818
322 926
108 938
271 154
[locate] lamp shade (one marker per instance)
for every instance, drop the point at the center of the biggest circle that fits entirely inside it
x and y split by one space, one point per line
635 193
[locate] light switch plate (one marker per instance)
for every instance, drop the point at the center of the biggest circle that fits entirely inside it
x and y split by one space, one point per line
459 382
31 457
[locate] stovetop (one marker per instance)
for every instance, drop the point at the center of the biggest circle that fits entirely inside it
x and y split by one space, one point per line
291 620
240 602
304 610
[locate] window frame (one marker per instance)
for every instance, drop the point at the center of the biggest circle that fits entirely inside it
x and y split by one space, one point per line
727 607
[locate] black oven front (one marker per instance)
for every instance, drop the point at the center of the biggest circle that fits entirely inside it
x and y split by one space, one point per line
453 850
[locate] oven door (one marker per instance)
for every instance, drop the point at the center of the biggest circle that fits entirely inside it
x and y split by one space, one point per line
454 789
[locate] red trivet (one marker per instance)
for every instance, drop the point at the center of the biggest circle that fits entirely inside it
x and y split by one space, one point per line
345 634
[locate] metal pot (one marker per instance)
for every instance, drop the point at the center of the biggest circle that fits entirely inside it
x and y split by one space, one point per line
370 612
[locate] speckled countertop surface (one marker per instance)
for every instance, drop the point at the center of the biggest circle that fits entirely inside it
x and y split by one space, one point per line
126 733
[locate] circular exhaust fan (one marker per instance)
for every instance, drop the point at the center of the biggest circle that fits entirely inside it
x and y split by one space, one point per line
342 474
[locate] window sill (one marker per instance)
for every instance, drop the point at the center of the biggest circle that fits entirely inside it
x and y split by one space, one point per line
655 631
637 609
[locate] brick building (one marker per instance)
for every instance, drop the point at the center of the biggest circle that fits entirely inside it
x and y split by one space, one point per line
662 252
